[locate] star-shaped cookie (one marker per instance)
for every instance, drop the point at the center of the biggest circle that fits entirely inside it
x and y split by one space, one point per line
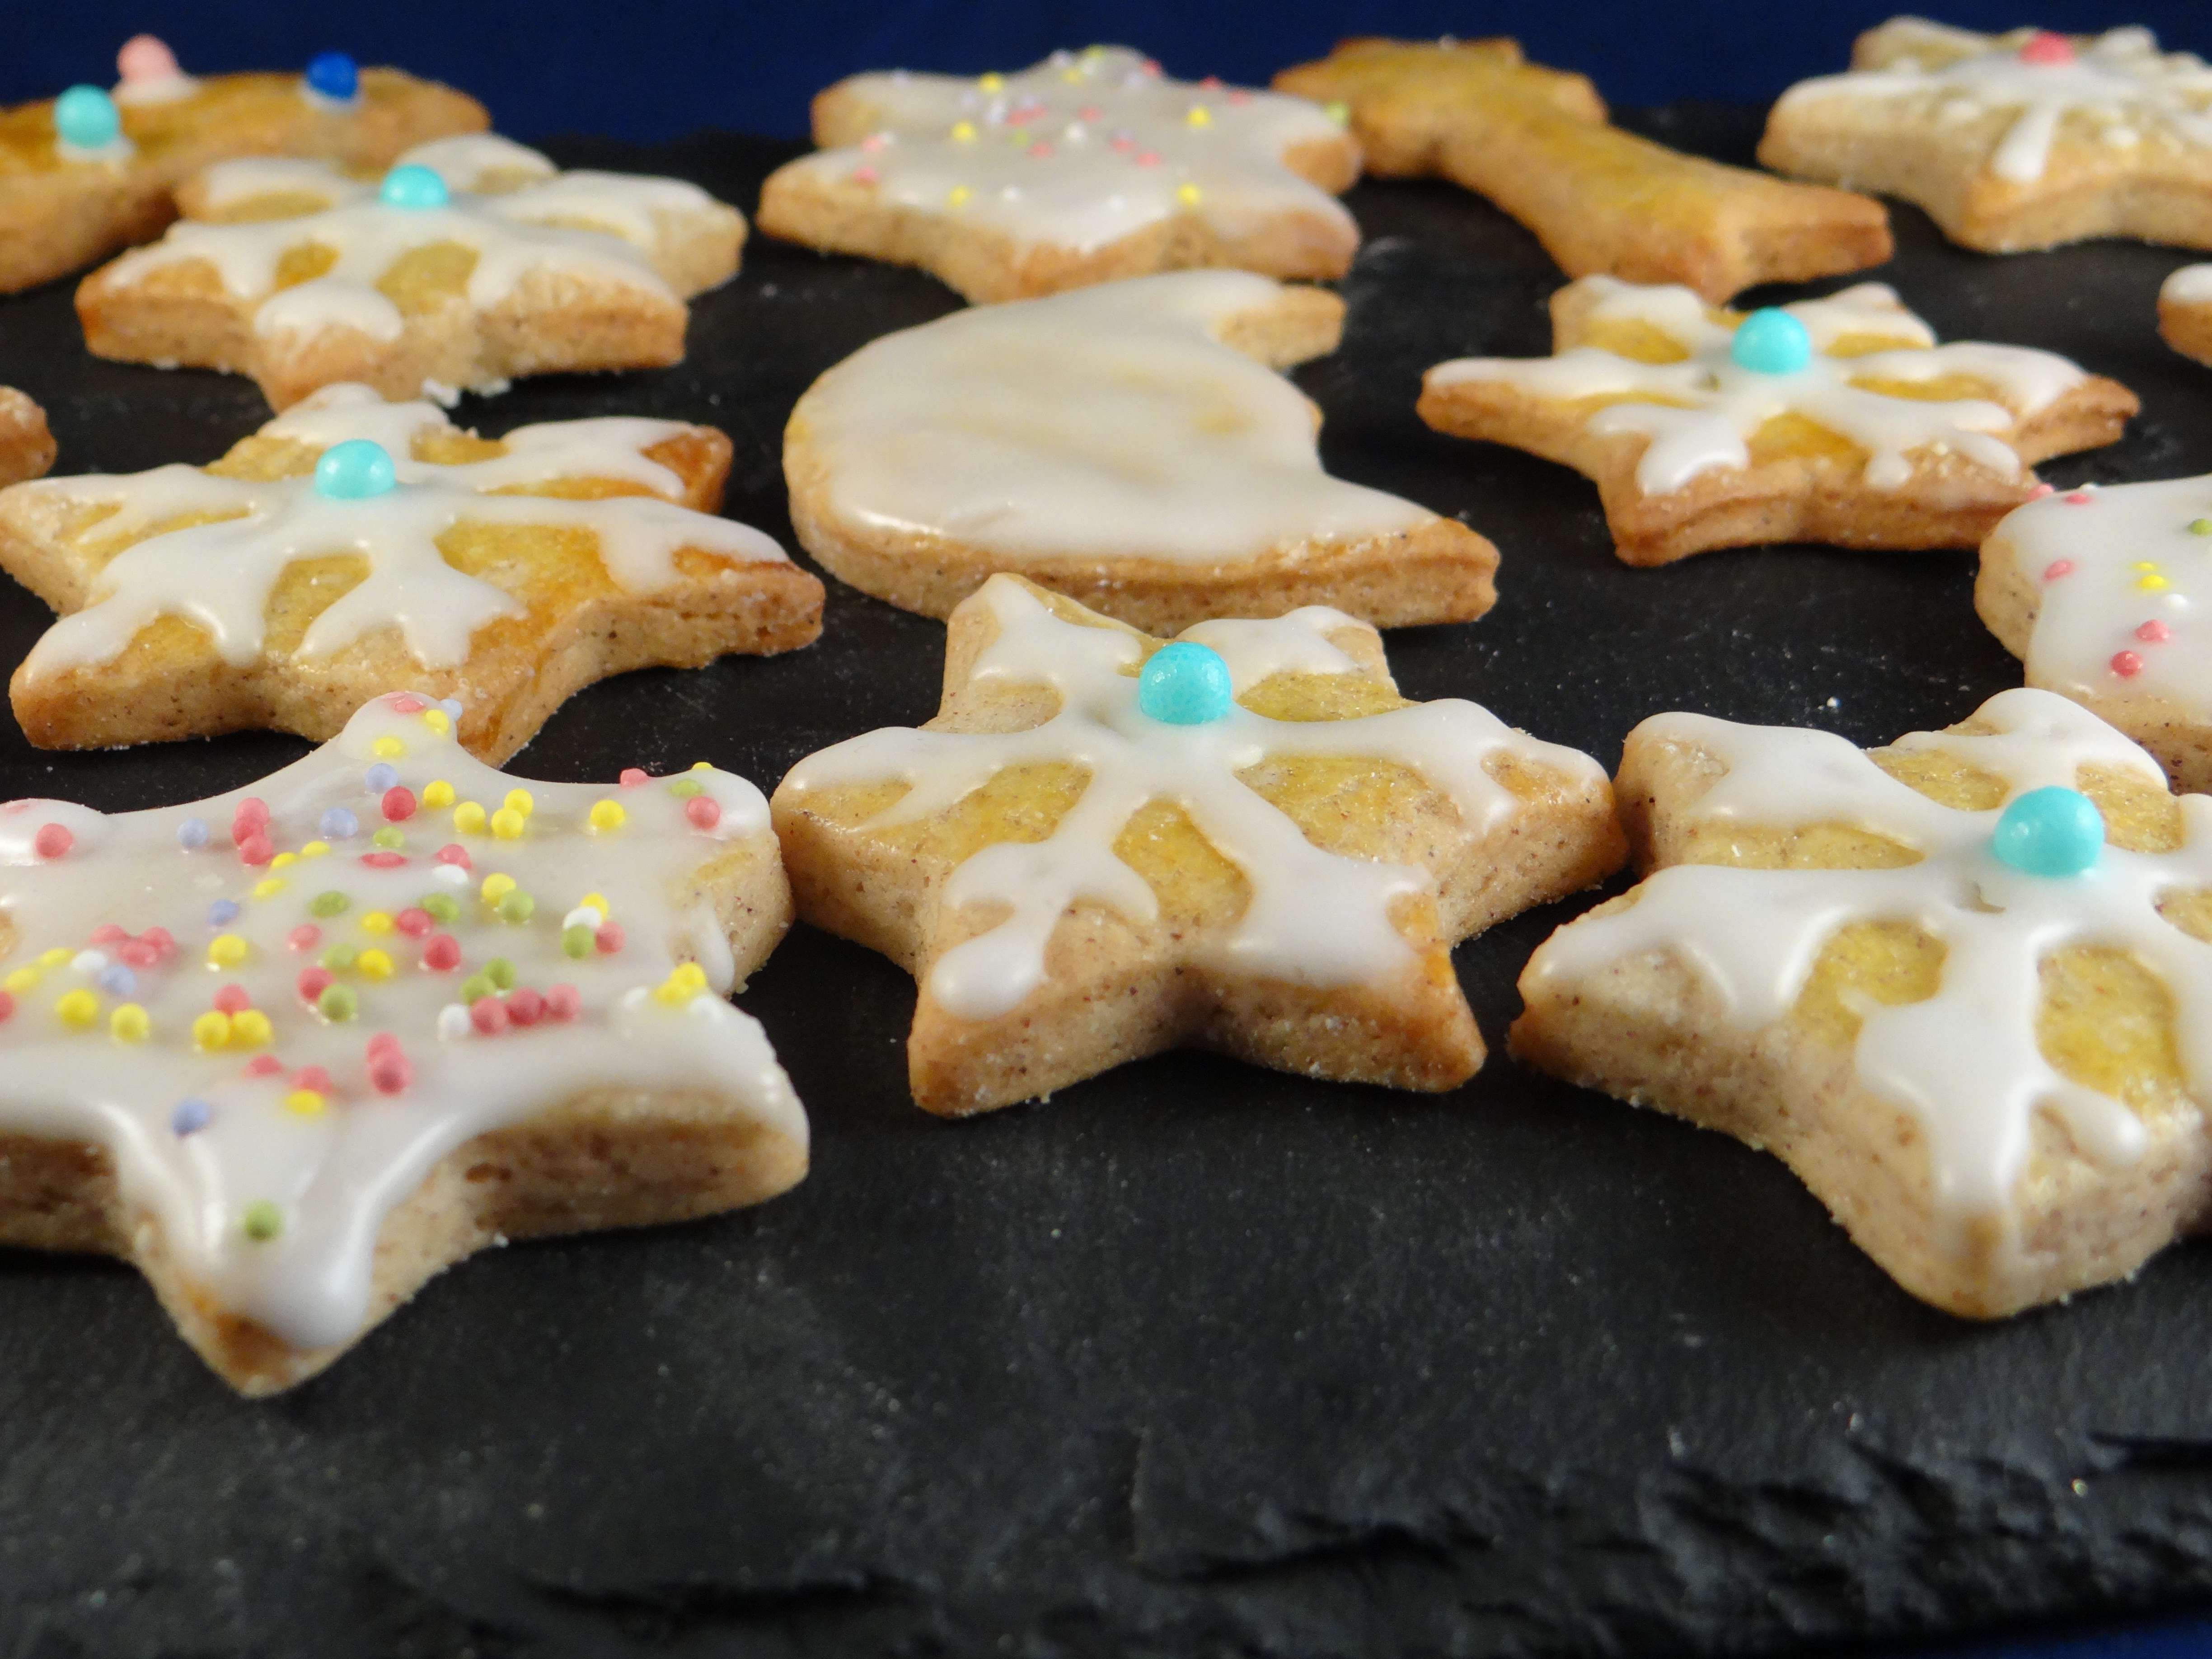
472 261
1089 167
353 544
1536 141
293 1050
1128 445
1105 846
1837 420
1960 985
2015 141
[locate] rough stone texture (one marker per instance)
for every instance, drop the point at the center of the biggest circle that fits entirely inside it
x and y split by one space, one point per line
1201 1360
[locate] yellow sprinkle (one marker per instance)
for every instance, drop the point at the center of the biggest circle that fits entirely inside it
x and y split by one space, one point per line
226 949
688 975
249 1028
508 823
128 1023
307 1103
374 965
667 992
593 901
376 922
1187 195
702 766
468 818
1199 116
957 195
2145 564
437 721
387 749
55 957
211 1029
991 82
22 979
437 792
314 849
268 887
1071 76
496 886
608 815
520 800
77 1008
282 859
2150 584
964 130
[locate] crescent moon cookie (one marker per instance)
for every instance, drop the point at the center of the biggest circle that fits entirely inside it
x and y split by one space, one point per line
472 261
1107 845
1130 446
2015 141
1089 167
294 1051
1960 985
1838 420
26 447
92 171
353 544
1535 142
2184 312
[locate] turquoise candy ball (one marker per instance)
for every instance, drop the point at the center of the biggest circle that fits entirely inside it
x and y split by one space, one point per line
354 470
2050 832
1770 343
86 117
1185 683
411 186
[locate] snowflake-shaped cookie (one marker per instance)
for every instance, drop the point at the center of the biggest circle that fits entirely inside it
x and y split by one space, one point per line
1960 984
470 262
1837 420
353 544
2013 141
1105 846
331 1033
1088 167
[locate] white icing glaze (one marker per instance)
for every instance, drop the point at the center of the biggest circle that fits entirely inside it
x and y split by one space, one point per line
1699 412
1965 1062
333 1175
2189 285
1083 149
167 90
1104 422
1315 918
535 227
219 574
2120 79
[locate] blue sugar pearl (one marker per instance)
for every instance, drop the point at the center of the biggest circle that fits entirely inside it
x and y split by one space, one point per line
453 708
191 1116
380 778
355 471
86 117
222 913
117 981
192 834
1185 683
411 186
339 825
1770 343
2050 832
334 75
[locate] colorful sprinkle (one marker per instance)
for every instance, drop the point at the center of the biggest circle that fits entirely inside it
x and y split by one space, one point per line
312 983
52 841
2200 526
704 811
508 825
192 834
576 941
2050 832
373 965
609 939
262 1221
190 1117
222 913
2153 632
501 972
958 196
1187 195
442 907
226 950
211 1030
488 1015
2079 497
384 860
634 776
85 118
264 1065
231 998
78 1008
2057 569
685 981
468 818
606 815
391 838
398 804
357 470
306 937
564 1003
442 954
2044 48
387 1065
2126 664
516 908
334 75
130 1023
146 57
1198 116
414 921
437 793
117 981
339 957
453 1022
414 189
305 1103
525 1006
269 887
337 1002
455 854
684 788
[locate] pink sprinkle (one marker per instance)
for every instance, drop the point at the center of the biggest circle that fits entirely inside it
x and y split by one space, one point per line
2045 48
138 954
264 1065
562 1003
1238 95
312 1077
2057 569
2126 665
864 175
256 850
313 982
398 803
1146 158
1040 149
7 1005
412 922
233 998
454 852
384 861
389 1072
52 841
488 1015
306 937
109 933
158 939
872 142
525 1005
704 811
1122 141
405 703
146 57
2039 492
1090 112
2079 497
1210 81
1150 66
609 939
2153 632
442 954
384 1043
634 776
253 810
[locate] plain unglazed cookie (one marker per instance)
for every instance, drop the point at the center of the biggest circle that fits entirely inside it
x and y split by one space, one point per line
352 544
1106 845
1089 167
1536 141
2015 141
26 447
2184 312
293 1050
1838 420
64 204
473 260
1959 985
1128 445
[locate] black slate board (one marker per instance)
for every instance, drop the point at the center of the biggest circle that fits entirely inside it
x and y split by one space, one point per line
1192 1358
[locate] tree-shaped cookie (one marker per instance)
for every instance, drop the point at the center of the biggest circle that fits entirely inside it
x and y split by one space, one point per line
1245 839
2097 591
293 1050
1837 420
2013 141
1536 141
2184 312
92 171
1128 445
1086 167
472 261
1960 985
352 545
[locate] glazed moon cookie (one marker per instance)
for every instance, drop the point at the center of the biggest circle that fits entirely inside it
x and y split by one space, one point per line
353 544
2184 312
1106 845
27 448
2014 141
1535 142
293 1051
1089 167
1837 420
92 171
1959 985
1128 445
472 261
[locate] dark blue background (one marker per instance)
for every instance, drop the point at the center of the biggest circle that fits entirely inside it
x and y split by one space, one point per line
655 71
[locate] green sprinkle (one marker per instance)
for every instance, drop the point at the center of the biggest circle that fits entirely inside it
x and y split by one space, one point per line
262 1221
332 903
576 941
391 838
501 972
1338 111
337 1002
443 907
339 957
2200 526
684 788
516 905
475 988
